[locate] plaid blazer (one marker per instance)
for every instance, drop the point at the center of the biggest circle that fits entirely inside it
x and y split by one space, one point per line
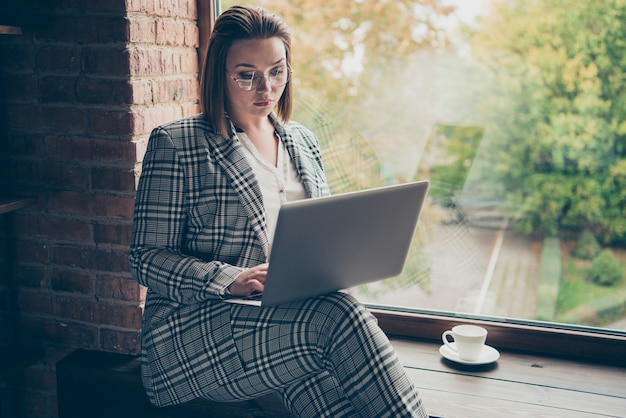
199 221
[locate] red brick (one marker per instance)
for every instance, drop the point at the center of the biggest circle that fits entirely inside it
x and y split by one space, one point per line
112 234
68 147
188 9
101 30
18 58
59 29
109 7
142 30
75 309
58 90
109 260
25 144
71 281
90 258
108 92
106 122
144 91
63 119
37 328
29 170
32 252
70 203
192 35
146 120
118 288
141 6
113 206
83 148
112 179
31 277
107 150
77 335
120 341
166 8
35 302
24 117
124 316
178 90
143 61
70 256
20 87
59 59
69 83
170 32
106 61
67 175
65 229
92 204
28 225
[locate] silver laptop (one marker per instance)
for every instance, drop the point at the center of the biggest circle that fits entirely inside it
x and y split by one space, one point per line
332 243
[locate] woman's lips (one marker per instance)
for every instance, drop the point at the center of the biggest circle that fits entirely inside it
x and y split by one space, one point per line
263 103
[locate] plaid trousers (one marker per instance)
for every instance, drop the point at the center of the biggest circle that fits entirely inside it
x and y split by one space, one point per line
324 357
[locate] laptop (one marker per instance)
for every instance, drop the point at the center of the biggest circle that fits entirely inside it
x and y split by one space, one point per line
340 241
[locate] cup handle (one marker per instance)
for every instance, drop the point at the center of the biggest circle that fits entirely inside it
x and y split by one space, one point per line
444 338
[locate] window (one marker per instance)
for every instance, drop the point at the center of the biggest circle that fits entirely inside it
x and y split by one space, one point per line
513 110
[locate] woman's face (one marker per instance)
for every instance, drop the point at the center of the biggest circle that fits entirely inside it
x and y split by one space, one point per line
252 62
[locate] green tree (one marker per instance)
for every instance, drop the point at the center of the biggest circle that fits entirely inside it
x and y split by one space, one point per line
341 47
561 123
605 270
587 246
454 148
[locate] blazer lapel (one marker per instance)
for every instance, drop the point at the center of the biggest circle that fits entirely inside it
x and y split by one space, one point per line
305 166
230 156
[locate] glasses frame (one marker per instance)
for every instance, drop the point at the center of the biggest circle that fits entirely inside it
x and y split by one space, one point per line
238 81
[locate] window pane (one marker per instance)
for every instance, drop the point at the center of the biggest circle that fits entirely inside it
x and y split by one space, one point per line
514 111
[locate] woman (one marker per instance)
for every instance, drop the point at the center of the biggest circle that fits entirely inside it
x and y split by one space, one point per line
205 214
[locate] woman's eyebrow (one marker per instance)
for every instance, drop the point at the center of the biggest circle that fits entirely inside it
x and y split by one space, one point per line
252 66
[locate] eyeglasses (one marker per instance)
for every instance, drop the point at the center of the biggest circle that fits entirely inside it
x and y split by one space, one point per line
251 80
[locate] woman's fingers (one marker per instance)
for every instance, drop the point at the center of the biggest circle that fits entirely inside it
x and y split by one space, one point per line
249 281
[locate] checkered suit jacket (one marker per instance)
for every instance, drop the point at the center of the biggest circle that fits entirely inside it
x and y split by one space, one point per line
199 221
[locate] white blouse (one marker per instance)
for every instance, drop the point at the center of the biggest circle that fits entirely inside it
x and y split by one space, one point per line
279 184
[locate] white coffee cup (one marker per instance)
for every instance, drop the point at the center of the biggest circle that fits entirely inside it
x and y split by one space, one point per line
469 341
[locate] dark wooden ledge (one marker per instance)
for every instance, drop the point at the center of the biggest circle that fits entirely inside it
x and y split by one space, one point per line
12 203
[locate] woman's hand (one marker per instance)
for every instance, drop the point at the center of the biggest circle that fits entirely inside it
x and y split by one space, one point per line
249 281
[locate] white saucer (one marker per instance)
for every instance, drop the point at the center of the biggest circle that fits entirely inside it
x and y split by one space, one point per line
489 355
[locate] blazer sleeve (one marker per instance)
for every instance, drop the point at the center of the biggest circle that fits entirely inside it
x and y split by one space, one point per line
156 257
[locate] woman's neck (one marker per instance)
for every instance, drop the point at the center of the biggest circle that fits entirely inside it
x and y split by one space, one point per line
261 133
262 124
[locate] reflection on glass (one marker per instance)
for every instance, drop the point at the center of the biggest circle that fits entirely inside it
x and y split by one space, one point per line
514 111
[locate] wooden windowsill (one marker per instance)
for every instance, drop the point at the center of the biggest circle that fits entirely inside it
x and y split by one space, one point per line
545 341
12 203
10 30
517 384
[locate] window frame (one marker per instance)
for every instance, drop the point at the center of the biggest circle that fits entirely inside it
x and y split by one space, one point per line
544 339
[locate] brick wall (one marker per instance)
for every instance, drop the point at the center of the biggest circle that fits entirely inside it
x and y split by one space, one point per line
82 88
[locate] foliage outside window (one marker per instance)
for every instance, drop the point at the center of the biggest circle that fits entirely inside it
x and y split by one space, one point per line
516 113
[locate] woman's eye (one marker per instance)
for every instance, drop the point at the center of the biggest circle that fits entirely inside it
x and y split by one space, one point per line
278 71
246 76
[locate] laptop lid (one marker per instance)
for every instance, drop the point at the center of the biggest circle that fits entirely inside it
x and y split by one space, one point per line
340 241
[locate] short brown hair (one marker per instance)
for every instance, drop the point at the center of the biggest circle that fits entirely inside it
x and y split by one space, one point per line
239 23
